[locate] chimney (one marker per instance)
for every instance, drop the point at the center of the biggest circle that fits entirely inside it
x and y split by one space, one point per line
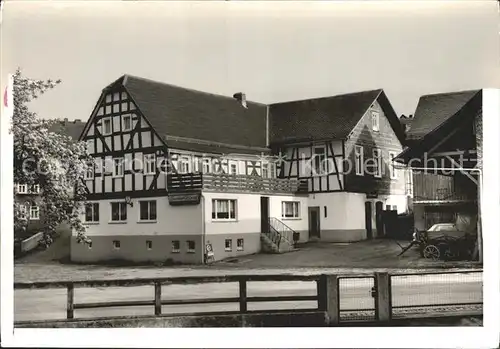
241 97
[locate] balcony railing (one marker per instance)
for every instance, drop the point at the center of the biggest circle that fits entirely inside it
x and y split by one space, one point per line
194 182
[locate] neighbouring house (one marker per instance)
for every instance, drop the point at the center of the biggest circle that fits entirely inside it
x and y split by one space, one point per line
29 196
446 133
179 173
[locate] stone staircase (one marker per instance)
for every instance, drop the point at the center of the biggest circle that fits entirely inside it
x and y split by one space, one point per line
278 238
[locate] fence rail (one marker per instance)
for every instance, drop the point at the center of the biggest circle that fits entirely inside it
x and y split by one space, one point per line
376 294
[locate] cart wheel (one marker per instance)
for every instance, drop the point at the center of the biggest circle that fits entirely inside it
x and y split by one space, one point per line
431 252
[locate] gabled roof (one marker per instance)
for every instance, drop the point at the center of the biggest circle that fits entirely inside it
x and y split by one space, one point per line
435 109
73 128
182 112
325 118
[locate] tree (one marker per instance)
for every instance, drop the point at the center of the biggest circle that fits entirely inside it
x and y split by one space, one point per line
52 160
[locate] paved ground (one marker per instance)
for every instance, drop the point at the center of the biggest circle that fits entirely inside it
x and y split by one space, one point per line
411 294
360 257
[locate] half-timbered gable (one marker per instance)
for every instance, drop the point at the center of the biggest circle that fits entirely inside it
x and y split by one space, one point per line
370 149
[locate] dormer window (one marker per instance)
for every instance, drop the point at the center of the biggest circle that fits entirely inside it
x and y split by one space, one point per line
375 121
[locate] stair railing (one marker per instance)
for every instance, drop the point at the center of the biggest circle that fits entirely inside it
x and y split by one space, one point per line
284 230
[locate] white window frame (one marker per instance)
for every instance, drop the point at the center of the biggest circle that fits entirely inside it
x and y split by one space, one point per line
94 206
264 166
375 120
392 169
122 167
215 206
104 133
89 171
196 164
120 205
188 249
377 160
34 212
22 188
23 211
323 170
230 247
231 164
272 170
125 116
206 166
359 154
149 164
117 244
238 246
184 161
295 209
176 250
149 219
36 189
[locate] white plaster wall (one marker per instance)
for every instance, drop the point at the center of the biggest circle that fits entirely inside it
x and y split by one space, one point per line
247 214
344 210
170 220
401 201
275 203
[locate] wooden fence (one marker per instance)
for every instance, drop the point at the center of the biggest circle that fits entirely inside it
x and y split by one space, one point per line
327 293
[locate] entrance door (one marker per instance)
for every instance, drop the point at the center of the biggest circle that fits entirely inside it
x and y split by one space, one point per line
264 214
368 220
314 224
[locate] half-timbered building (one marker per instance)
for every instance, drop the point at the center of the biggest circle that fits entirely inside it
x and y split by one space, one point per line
343 147
185 175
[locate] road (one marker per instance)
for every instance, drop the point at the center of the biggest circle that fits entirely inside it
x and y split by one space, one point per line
414 290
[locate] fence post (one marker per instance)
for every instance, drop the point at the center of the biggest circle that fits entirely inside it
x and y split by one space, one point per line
321 286
70 301
383 297
332 300
157 298
243 295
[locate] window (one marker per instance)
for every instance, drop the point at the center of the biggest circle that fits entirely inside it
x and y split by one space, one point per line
92 212
358 154
223 209
127 122
149 244
375 121
233 168
228 247
196 164
392 168
35 189
22 189
377 163
34 212
149 164
106 126
191 246
272 170
265 170
147 210
184 164
118 211
320 164
22 211
206 166
290 209
176 246
239 245
118 167
116 244
89 171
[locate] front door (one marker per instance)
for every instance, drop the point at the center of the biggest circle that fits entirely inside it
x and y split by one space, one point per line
314 224
264 214
368 220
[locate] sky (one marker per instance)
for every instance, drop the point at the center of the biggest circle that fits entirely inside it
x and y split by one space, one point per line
272 51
